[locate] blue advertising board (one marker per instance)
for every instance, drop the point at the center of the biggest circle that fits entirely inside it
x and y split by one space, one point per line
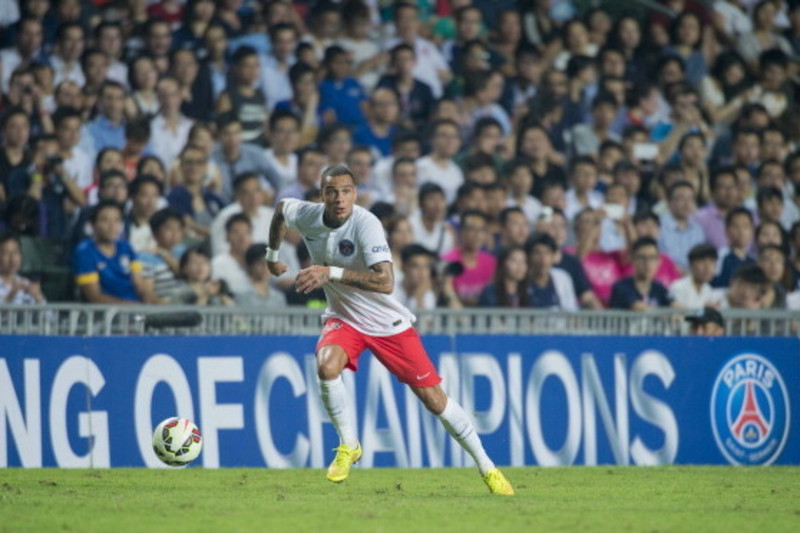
535 400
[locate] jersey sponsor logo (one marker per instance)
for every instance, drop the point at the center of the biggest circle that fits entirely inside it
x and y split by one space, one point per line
381 248
750 411
346 247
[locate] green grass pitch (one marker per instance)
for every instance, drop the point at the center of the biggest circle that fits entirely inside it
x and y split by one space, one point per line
560 499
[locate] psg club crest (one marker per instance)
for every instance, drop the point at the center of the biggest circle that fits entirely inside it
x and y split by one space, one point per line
750 411
346 247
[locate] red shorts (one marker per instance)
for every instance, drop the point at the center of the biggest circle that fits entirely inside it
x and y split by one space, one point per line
403 354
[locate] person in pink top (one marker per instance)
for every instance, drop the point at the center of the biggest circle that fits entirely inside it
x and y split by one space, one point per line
647 224
478 266
603 269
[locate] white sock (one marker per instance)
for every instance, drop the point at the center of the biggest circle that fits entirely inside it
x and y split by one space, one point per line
457 423
334 398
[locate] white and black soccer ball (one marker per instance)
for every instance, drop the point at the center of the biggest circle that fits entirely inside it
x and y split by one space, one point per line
177 441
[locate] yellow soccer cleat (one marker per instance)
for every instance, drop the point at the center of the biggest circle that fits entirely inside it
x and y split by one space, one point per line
345 458
497 483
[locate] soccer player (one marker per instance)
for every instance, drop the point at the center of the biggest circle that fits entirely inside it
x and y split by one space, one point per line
353 265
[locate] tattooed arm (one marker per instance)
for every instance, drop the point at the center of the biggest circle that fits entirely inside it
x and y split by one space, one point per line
379 278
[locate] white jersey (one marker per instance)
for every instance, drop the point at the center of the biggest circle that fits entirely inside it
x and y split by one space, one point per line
357 245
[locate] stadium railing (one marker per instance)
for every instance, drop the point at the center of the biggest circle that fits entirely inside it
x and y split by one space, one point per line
110 320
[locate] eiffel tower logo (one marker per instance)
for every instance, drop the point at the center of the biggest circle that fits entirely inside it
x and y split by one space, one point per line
750 414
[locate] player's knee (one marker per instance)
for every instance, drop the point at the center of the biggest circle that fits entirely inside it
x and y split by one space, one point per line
328 371
330 364
434 399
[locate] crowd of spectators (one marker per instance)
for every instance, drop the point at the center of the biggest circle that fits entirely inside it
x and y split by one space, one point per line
535 153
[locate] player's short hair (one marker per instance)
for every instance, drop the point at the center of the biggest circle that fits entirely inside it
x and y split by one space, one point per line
336 170
643 216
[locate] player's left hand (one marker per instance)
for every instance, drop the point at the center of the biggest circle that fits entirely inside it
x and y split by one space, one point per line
312 278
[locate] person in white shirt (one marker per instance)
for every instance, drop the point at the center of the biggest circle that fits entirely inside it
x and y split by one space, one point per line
284 137
694 291
582 193
438 167
429 224
77 163
9 13
14 289
260 293
28 48
275 66
519 182
551 288
70 42
109 39
169 129
353 265
231 266
416 289
404 145
432 68
405 184
248 199
249 196
145 192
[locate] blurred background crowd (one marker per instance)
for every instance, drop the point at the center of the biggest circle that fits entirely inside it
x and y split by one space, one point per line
555 154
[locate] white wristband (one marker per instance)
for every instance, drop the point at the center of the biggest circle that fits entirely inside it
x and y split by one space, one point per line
273 256
336 273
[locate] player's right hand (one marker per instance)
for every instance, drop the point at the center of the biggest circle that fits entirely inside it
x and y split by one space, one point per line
278 268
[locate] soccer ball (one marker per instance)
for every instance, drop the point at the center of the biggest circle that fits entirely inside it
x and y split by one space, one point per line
177 441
